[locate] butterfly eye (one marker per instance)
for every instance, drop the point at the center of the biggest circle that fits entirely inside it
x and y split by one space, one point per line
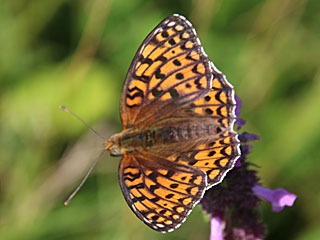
115 153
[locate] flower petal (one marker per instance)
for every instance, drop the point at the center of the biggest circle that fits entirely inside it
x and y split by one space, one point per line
240 122
247 137
216 229
279 198
238 106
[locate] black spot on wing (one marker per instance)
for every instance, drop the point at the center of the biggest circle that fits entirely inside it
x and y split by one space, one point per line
159 75
173 93
165 34
179 76
155 92
176 62
172 41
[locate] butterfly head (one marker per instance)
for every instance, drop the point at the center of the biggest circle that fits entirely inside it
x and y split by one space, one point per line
112 145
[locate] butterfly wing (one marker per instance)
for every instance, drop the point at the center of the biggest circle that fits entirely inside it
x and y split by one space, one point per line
219 104
161 193
218 155
170 69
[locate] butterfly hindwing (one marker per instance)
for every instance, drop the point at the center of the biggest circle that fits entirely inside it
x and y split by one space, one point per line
161 193
216 157
169 70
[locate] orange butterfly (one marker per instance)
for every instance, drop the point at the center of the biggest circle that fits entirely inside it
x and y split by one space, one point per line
178 113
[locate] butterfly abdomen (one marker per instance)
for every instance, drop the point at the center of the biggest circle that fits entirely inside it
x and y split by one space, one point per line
138 139
183 133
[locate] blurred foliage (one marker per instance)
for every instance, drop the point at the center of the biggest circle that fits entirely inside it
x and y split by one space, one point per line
77 53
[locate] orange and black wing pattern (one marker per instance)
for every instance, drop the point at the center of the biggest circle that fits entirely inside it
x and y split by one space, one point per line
219 104
169 70
215 158
160 192
219 154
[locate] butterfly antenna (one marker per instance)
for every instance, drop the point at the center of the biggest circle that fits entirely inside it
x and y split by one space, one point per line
84 179
81 120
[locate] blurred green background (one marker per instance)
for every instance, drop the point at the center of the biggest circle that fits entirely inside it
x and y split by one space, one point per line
77 53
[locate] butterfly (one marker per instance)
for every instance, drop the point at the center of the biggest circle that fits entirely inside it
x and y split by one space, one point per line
178 112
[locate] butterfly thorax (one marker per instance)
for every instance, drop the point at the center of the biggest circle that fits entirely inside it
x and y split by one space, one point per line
161 139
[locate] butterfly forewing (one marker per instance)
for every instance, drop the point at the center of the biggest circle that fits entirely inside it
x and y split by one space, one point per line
219 104
169 70
161 193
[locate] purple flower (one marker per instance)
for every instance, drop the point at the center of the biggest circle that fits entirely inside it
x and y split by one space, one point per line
248 137
239 121
238 106
233 204
245 148
216 227
279 198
